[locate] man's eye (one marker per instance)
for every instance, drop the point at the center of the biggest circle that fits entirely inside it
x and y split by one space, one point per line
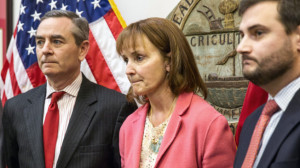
259 33
39 42
57 42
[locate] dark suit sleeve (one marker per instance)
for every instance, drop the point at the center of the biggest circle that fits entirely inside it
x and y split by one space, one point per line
125 110
10 147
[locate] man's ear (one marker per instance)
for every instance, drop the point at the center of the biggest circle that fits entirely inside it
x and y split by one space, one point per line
83 49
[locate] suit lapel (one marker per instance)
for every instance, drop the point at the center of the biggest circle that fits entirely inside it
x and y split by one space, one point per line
82 115
34 124
288 121
173 128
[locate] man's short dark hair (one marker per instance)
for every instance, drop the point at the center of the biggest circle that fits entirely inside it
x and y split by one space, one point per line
81 25
288 10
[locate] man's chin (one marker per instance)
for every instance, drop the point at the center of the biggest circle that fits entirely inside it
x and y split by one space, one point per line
49 73
256 79
249 69
248 74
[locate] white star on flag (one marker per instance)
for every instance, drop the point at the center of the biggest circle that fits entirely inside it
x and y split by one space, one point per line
32 32
37 2
79 13
36 16
30 49
64 7
53 4
20 26
96 4
22 9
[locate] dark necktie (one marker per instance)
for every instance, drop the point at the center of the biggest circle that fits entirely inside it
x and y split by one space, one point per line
50 129
270 108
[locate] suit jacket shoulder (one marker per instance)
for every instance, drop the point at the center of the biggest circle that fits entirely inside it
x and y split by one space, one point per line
25 98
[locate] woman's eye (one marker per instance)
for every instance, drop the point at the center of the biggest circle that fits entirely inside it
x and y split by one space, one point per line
125 60
139 58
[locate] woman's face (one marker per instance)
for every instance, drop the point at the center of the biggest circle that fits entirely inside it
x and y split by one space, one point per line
146 68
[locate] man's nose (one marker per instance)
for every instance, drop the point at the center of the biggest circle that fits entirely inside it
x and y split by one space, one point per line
244 46
47 48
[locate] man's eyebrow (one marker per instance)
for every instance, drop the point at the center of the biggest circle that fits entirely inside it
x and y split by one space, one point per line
39 37
255 26
51 37
57 37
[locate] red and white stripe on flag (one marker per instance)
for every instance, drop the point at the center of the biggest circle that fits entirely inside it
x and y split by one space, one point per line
102 64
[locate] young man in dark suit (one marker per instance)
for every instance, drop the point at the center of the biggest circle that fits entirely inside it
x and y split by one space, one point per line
270 50
90 115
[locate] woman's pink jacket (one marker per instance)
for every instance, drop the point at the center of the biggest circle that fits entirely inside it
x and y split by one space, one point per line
197 136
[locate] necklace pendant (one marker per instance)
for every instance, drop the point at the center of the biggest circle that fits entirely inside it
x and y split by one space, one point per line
155 144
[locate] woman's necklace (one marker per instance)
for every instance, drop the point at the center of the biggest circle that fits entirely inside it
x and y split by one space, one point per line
158 135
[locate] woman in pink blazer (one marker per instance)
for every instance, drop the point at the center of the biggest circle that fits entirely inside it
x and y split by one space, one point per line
174 127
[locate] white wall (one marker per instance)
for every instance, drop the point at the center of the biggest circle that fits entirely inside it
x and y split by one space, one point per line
16 6
134 10
131 10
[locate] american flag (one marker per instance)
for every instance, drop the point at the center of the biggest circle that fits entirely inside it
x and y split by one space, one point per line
102 64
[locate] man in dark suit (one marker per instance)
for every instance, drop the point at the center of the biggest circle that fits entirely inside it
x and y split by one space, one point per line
89 115
270 50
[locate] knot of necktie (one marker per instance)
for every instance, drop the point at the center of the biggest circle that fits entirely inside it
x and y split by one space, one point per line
56 96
